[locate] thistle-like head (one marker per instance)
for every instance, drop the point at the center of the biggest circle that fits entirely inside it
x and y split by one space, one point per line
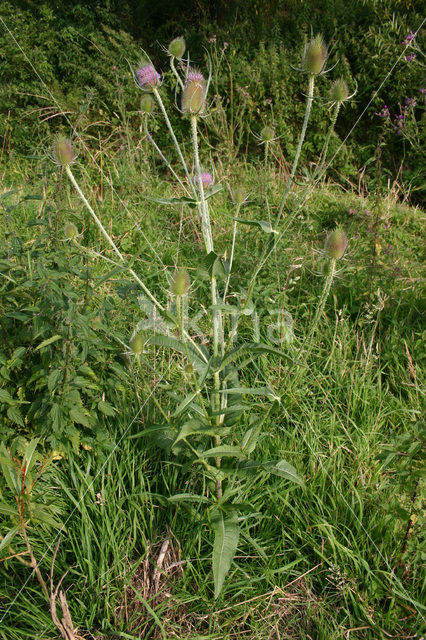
147 103
206 179
336 243
315 56
147 77
70 231
177 48
194 93
180 282
137 343
339 91
63 152
267 134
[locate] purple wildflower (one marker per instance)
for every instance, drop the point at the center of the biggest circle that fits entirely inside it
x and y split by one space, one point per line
206 179
422 90
147 77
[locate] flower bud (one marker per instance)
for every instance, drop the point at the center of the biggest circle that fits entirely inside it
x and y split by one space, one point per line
147 103
267 134
147 77
137 343
189 369
315 55
239 195
206 179
180 283
70 231
194 93
336 243
64 153
177 47
339 91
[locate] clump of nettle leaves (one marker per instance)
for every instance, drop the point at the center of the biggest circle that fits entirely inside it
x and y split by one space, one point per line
215 426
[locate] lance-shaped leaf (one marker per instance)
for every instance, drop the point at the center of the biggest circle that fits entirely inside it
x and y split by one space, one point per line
226 536
264 225
284 470
9 537
223 450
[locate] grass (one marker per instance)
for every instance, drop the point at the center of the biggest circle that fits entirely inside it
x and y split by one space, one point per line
340 557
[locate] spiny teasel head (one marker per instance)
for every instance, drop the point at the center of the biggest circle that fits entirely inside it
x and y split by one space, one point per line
194 93
315 55
177 47
63 152
267 134
336 243
70 231
339 91
147 77
206 179
147 103
137 343
239 195
180 282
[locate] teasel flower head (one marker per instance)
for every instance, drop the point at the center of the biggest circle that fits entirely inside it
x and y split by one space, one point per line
180 282
315 56
339 91
63 152
147 77
206 179
336 244
177 47
137 343
267 134
194 93
147 103
70 231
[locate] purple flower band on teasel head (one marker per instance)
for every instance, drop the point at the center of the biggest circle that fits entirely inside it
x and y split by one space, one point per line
147 77
206 179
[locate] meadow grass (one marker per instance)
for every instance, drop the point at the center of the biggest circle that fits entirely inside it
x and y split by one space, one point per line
331 559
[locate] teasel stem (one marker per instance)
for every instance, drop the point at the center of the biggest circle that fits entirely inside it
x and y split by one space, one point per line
175 141
175 73
231 257
217 316
309 100
122 259
164 159
327 140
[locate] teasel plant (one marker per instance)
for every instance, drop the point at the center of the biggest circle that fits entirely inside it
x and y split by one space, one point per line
214 427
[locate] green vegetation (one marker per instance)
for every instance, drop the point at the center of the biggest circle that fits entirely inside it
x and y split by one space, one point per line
211 345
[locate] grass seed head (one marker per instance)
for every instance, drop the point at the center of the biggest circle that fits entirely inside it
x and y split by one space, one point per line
63 151
180 283
177 47
315 55
194 93
336 243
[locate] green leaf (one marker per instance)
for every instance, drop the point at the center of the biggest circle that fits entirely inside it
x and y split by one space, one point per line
182 200
284 470
77 415
208 193
223 450
8 510
188 497
106 408
6 398
9 537
185 403
226 536
194 427
53 379
29 454
264 225
45 343
9 470
213 266
14 414
253 391
56 415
